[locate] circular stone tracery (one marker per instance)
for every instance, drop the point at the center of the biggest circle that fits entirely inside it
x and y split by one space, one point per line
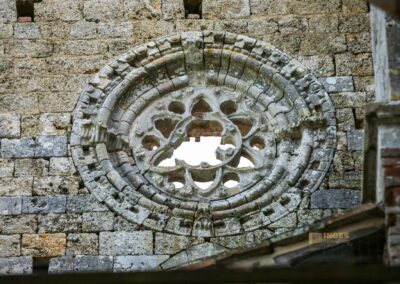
139 109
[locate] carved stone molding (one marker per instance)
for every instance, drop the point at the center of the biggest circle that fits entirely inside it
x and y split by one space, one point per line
143 106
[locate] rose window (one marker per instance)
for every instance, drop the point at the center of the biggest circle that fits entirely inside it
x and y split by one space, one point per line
272 120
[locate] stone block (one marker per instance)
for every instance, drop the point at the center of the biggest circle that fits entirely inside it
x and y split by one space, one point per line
122 224
6 31
56 185
51 146
292 24
349 99
348 180
16 186
142 9
18 148
6 169
18 102
84 203
10 126
57 102
124 243
56 223
80 47
54 124
43 204
345 119
61 167
82 244
325 23
354 6
123 29
314 6
16 265
31 167
102 10
10 205
81 263
338 84
335 198
320 65
355 139
8 11
173 9
225 9
354 64
172 244
258 27
27 31
289 221
322 43
269 7
175 261
53 10
84 30
204 250
359 43
97 221
28 48
43 245
138 263
18 224
354 23
343 161
10 245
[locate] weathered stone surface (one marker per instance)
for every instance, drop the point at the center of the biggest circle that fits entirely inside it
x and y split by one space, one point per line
322 43
124 243
31 167
8 11
355 138
320 65
325 23
354 6
173 9
343 161
61 167
141 10
22 48
289 221
354 23
171 244
27 31
203 251
138 263
57 223
43 204
292 24
10 205
18 148
314 7
349 99
354 64
335 198
81 263
6 169
51 146
350 180
389 137
10 126
224 9
10 246
43 245
122 224
16 265
359 43
18 224
82 244
54 124
16 186
97 221
94 10
338 84
269 7
56 185
55 10
84 203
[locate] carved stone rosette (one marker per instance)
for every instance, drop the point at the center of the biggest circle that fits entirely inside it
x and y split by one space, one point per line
143 106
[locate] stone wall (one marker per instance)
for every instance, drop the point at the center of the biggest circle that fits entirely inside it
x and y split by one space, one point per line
45 209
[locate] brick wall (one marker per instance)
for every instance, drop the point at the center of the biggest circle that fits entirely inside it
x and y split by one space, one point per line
45 210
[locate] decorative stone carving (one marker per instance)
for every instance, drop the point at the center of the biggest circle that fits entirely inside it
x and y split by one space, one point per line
139 109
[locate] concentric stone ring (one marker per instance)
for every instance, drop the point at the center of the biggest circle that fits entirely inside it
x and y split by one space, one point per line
265 105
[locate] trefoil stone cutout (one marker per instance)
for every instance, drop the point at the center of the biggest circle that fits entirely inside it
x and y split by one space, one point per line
264 105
